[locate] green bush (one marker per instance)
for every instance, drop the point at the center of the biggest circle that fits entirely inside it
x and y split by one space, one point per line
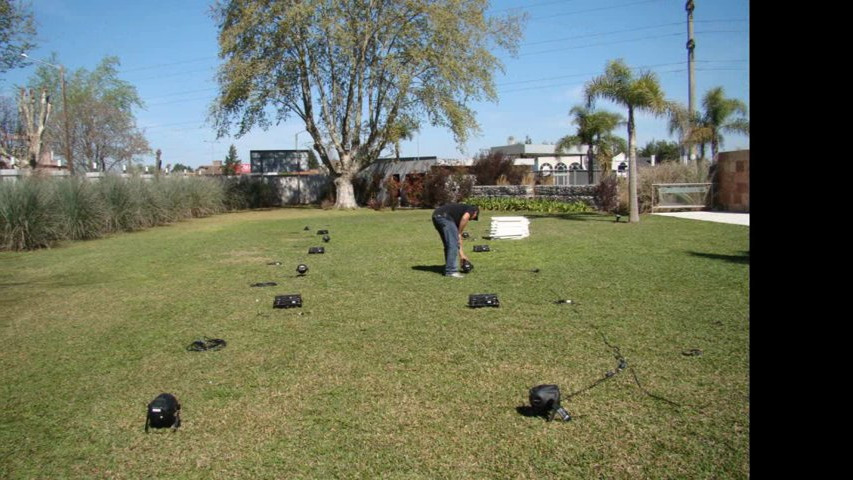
512 204
27 220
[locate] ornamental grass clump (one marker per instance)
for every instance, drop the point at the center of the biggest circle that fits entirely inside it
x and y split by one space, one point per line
27 220
80 210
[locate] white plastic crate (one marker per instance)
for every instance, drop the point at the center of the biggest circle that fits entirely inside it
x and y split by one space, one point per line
509 227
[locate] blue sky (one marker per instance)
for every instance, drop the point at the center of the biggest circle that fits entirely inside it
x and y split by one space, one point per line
168 51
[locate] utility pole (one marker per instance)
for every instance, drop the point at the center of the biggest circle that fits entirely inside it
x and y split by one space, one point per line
691 77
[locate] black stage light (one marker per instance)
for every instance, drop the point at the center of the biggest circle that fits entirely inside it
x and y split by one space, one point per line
476 300
467 266
287 301
316 250
322 232
545 399
326 238
302 269
481 248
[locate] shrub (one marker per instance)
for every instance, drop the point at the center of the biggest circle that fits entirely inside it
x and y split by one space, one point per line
441 186
414 188
494 168
510 204
80 209
607 194
27 220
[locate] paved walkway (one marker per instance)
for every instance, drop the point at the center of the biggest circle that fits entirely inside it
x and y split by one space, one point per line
721 217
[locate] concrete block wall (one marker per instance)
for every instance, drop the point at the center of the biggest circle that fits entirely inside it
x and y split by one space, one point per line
731 181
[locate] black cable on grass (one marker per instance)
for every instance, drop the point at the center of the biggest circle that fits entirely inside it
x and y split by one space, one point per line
622 365
206 345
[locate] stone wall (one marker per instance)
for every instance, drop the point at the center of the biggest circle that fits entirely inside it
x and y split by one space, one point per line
563 193
731 181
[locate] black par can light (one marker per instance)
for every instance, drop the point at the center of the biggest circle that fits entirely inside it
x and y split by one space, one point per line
287 301
302 269
478 300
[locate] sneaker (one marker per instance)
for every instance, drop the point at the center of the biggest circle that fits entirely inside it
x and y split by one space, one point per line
454 275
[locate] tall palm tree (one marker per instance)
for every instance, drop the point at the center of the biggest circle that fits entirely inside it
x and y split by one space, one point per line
707 127
643 93
594 130
716 118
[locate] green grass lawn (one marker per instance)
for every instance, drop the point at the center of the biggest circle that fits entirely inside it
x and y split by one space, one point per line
384 372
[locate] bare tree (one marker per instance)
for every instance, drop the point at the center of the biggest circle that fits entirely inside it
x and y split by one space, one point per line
35 117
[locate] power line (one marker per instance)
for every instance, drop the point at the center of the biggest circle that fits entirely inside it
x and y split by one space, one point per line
594 9
600 44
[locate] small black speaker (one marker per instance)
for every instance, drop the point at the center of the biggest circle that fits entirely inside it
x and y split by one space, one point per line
481 248
316 250
287 301
477 300
322 232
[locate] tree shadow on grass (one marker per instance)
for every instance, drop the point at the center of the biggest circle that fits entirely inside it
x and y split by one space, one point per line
742 258
439 269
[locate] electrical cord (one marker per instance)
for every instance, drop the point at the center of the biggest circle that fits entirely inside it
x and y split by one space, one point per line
621 366
207 344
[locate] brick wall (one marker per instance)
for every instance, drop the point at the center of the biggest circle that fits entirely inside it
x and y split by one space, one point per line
731 181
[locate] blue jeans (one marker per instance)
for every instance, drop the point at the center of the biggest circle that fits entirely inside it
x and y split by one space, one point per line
449 233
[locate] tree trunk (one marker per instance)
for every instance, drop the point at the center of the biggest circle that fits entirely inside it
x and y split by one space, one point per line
634 208
344 192
590 163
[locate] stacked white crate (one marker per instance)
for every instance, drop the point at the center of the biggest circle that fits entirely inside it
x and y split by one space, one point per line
509 227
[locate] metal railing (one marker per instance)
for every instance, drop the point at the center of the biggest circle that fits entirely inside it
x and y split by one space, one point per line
567 177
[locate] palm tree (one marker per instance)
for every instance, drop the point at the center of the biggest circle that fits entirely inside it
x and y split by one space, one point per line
643 92
715 118
708 126
594 131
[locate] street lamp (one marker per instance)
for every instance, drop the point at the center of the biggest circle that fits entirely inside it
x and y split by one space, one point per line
64 111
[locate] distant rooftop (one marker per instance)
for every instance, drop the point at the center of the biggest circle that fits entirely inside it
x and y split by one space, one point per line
535 149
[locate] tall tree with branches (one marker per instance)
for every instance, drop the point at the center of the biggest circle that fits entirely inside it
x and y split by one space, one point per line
594 130
17 33
103 125
641 92
357 73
